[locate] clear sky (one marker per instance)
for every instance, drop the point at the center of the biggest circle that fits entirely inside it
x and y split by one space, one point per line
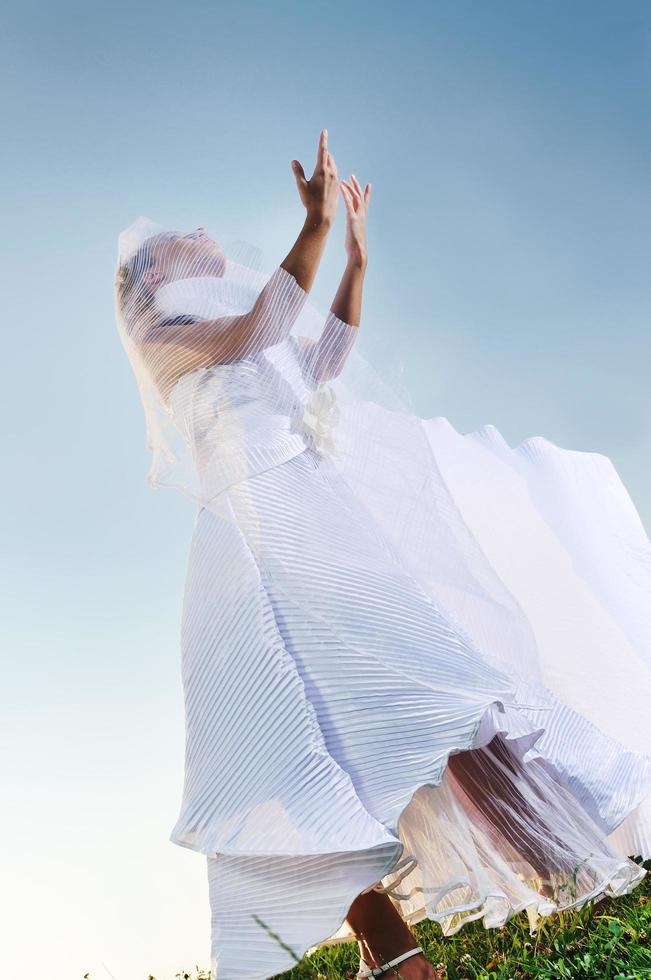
508 143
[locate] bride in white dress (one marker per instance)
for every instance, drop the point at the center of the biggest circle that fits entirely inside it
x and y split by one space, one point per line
397 641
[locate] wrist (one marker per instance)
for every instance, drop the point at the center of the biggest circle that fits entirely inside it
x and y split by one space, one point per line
358 261
317 222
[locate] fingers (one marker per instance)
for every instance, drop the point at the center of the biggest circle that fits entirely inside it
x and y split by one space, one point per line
357 195
322 151
364 195
347 196
357 185
299 173
348 201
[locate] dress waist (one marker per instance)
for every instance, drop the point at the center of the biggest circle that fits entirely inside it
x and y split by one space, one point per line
228 465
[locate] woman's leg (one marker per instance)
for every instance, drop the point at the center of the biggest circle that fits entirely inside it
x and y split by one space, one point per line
481 774
382 935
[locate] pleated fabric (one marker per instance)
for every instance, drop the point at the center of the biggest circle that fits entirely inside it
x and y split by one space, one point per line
338 722
539 507
411 659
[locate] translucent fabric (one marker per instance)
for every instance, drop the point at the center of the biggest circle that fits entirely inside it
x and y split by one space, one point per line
542 507
232 365
384 680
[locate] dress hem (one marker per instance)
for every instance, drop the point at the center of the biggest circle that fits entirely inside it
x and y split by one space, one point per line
626 873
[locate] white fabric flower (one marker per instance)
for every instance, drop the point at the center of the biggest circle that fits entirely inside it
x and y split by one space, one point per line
320 415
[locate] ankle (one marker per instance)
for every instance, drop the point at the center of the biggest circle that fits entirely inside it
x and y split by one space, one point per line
385 945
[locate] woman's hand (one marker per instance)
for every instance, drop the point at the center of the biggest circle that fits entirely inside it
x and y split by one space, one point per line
357 203
319 194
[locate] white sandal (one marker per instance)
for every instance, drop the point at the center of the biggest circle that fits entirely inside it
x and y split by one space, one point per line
366 971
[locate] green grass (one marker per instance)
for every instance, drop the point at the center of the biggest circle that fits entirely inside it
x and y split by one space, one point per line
609 940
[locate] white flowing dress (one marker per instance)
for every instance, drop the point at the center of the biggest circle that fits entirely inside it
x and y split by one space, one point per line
326 688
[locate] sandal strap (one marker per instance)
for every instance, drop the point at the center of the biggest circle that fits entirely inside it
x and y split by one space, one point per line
379 970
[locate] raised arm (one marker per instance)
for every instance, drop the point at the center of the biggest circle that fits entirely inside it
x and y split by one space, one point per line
326 356
174 350
320 196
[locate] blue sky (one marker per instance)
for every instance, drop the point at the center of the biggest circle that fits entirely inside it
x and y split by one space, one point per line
508 143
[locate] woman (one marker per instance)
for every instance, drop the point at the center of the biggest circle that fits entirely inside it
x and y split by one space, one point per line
370 735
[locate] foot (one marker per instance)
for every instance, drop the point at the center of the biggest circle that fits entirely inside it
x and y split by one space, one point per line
417 967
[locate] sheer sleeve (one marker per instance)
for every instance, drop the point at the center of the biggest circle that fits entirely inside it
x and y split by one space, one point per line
206 340
274 313
325 357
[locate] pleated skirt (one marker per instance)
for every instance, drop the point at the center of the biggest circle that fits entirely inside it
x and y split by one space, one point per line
342 733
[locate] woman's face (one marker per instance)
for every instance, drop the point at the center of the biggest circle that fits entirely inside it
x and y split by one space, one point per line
184 257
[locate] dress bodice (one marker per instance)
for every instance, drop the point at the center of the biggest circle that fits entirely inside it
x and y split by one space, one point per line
247 415
266 399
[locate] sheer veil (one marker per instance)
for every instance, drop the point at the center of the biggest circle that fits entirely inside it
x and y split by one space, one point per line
198 289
